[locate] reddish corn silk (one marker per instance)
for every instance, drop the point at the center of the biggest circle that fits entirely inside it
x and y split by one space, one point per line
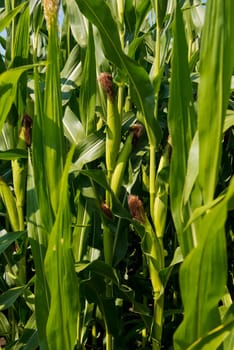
106 210
136 208
26 129
137 130
106 82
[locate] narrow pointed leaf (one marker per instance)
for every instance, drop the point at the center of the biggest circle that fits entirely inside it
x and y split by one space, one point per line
216 64
88 87
7 17
8 298
7 239
182 123
38 238
60 272
202 289
8 89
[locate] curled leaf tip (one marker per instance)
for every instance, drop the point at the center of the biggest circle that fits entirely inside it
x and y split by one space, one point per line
136 208
106 82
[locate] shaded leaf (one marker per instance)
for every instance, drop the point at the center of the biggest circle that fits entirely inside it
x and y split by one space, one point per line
8 298
7 239
13 154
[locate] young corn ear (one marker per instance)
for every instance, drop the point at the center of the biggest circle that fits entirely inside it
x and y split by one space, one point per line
117 176
154 254
10 204
113 133
161 199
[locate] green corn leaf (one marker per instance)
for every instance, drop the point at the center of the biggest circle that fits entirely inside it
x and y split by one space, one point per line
61 327
52 126
130 18
8 298
8 88
216 63
182 123
214 338
100 268
99 177
142 8
166 272
10 205
91 148
203 277
94 288
142 90
13 154
81 229
7 239
38 238
192 168
228 317
229 120
19 56
4 324
88 87
162 7
73 129
29 338
21 45
7 17
71 74
78 23
38 157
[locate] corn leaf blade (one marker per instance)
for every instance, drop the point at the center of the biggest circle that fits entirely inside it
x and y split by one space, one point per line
202 289
216 63
61 276
181 112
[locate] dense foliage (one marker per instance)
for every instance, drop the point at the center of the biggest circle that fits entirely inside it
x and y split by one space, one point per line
116 164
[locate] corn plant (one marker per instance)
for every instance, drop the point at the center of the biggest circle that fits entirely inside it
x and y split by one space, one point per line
116 160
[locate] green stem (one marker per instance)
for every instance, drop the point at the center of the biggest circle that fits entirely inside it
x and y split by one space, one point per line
158 324
157 46
109 337
152 174
108 244
120 4
22 260
94 335
13 32
144 330
109 341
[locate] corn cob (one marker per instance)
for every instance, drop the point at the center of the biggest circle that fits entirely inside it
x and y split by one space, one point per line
117 177
113 123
